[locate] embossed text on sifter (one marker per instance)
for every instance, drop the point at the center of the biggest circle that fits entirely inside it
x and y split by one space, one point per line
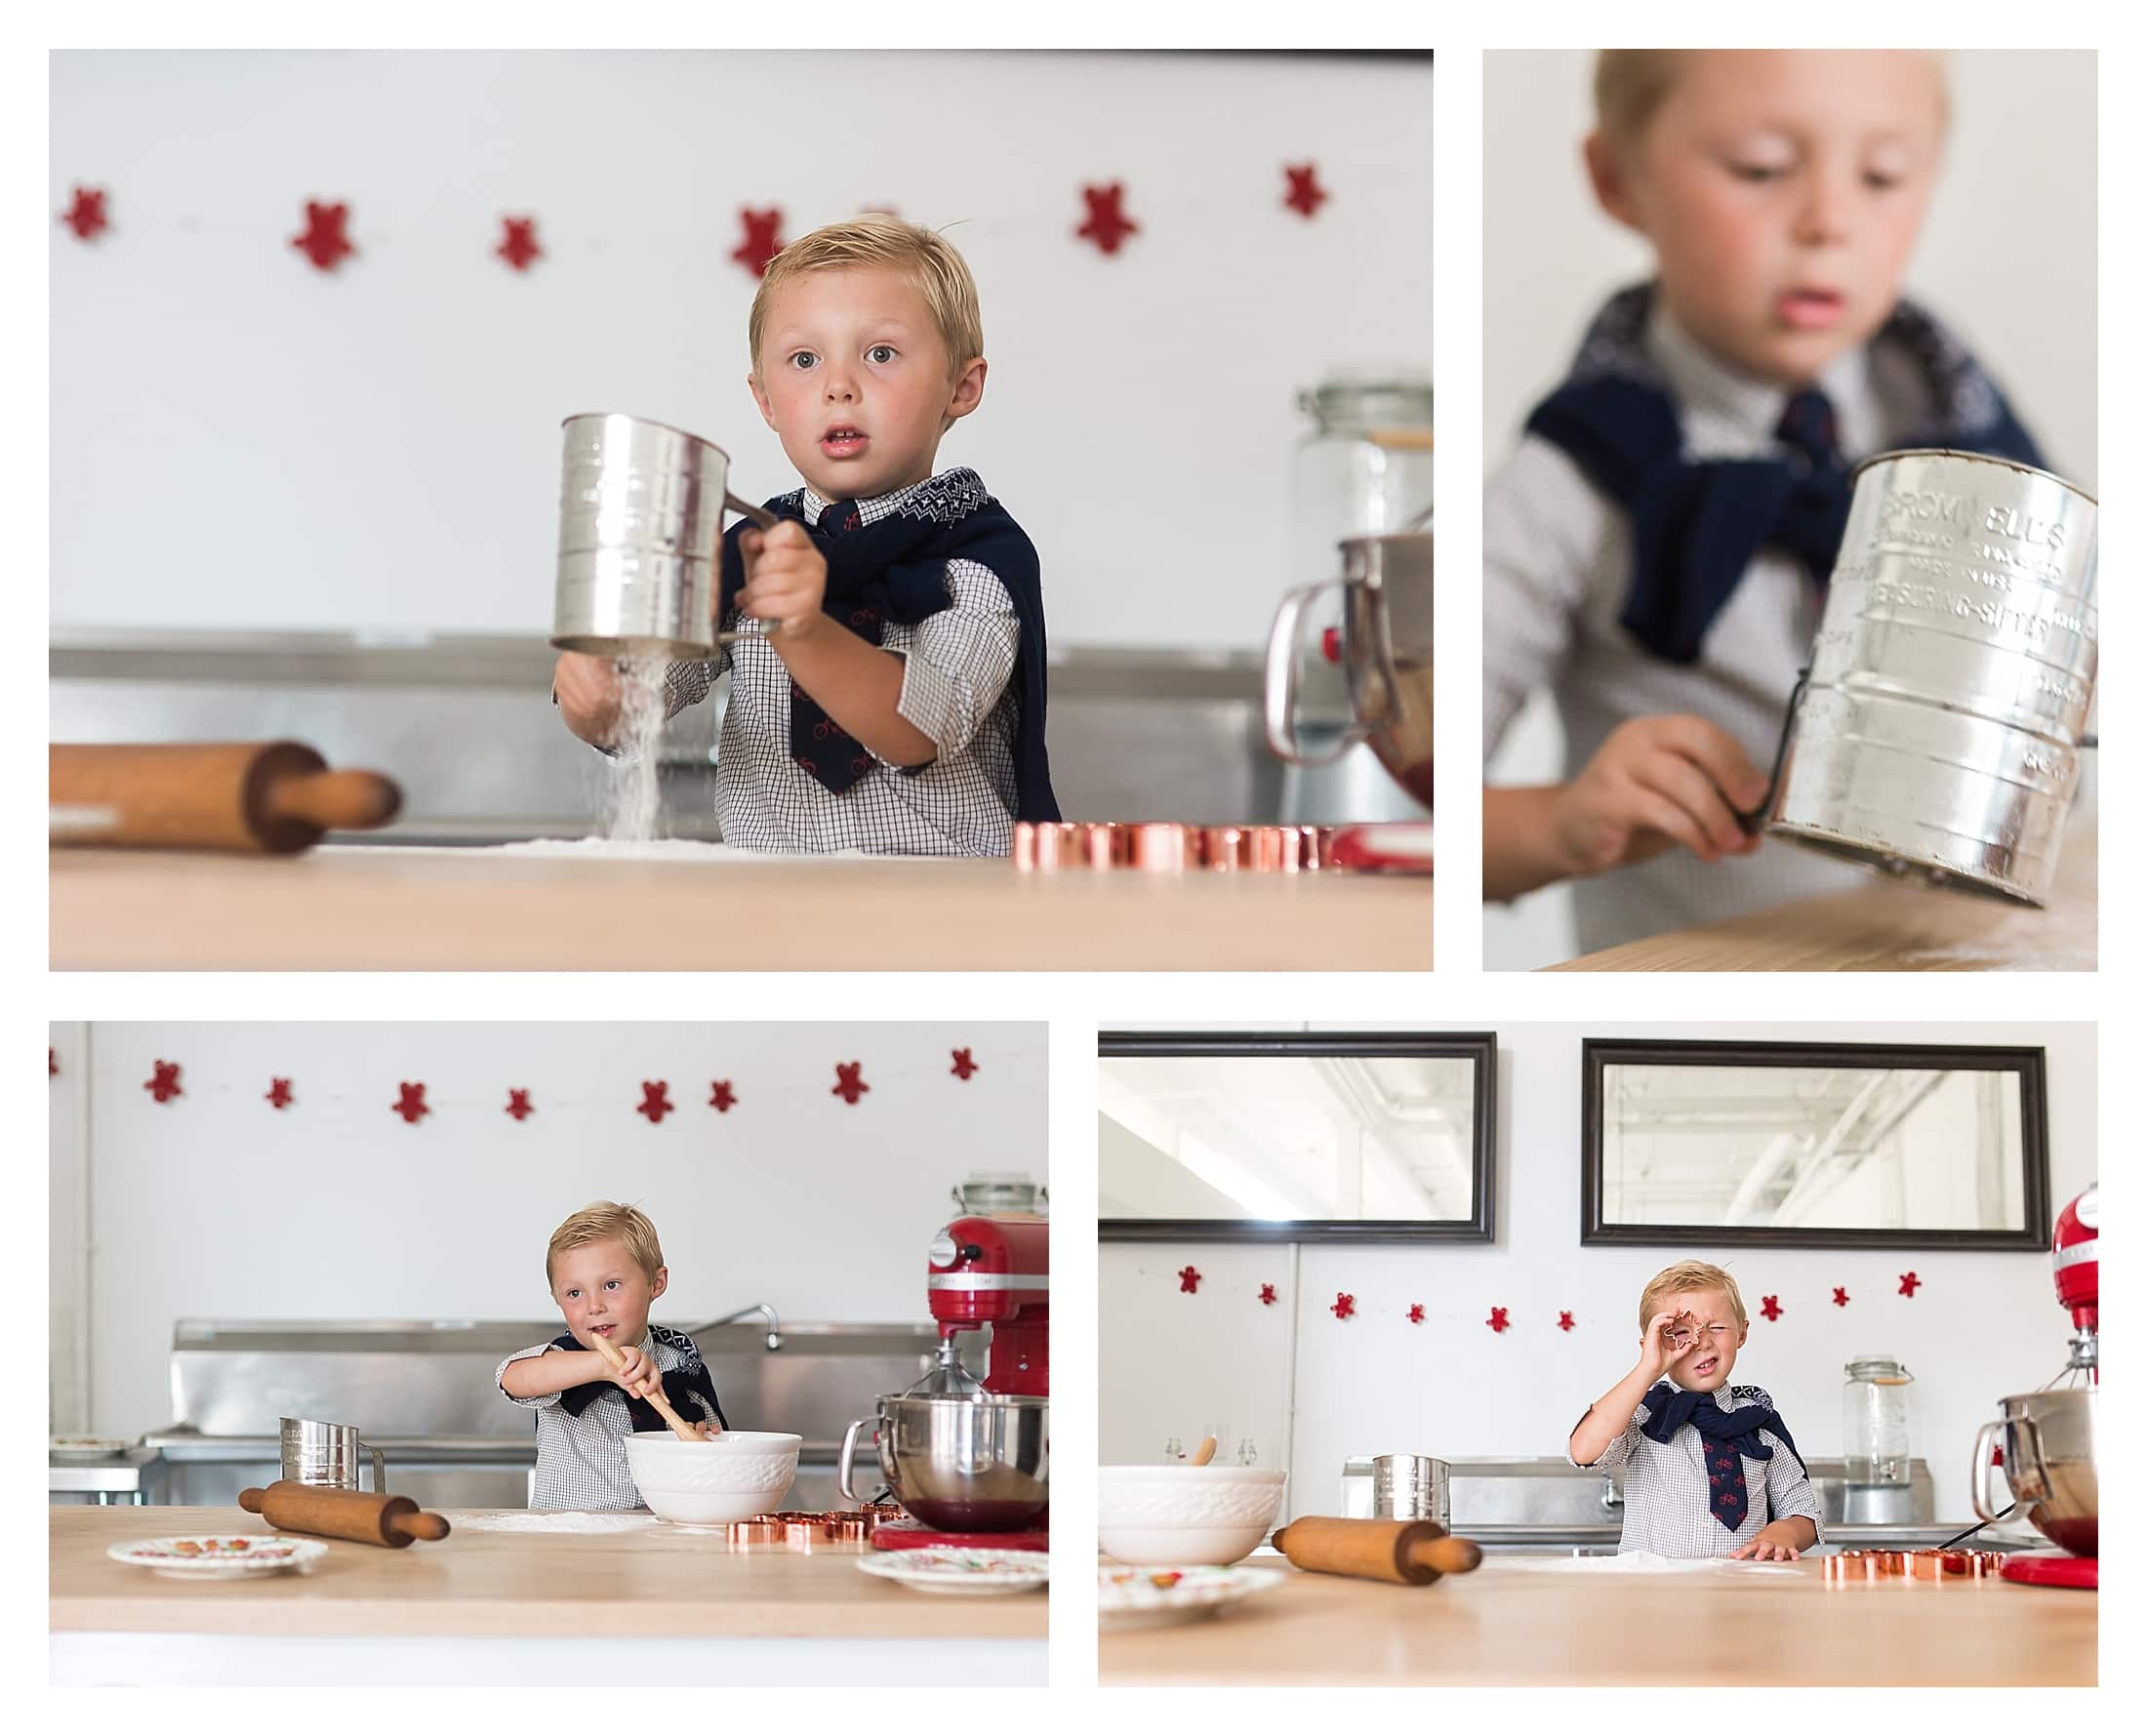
1940 729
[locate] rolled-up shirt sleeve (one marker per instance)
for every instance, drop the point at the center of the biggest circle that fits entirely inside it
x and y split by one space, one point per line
1617 1452
540 1402
958 661
1788 1491
1545 528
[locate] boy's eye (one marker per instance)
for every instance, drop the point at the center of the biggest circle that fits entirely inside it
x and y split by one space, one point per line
1879 182
881 353
1756 172
611 1283
801 359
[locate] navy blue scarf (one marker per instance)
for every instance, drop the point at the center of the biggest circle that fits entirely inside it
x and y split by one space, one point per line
688 1387
1731 1437
895 569
1698 525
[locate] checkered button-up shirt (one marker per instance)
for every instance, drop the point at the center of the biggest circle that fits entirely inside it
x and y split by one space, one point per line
956 668
1668 1499
582 1461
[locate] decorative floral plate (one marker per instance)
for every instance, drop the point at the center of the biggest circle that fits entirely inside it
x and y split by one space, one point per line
963 1572
218 1557
1154 1597
72 1449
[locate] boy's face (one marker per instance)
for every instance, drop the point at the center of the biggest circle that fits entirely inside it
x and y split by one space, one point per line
855 379
1782 190
602 1293
1717 1338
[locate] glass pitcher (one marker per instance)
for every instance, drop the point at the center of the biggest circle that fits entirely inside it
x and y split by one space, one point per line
1878 1417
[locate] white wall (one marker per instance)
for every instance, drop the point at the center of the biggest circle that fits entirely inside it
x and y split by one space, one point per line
1983 1325
215 1204
239 442
2021 160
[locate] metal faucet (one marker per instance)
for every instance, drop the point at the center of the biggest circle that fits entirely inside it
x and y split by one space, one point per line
762 1309
1612 1500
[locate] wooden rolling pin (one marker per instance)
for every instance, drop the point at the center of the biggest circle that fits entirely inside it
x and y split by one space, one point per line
1406 1552
271 796
655 1394
391 1519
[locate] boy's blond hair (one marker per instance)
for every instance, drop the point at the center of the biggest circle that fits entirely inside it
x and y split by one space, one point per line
1631 84
1684 1276
606 1220
929 262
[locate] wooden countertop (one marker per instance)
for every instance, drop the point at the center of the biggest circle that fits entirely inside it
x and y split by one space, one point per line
1887 926
365 908
1505 1625
659 1583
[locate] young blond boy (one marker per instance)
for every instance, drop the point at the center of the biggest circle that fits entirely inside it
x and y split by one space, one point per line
1710 1469
895 701
606 1268
1657 550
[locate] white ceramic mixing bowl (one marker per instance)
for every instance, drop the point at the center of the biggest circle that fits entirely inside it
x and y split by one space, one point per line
711 1482
1185 1516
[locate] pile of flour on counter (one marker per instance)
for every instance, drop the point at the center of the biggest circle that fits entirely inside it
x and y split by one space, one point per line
573 1523
1638 1561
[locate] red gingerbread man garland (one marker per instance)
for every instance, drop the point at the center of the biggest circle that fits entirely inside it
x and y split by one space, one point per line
848 1085
279 1094
1771 1306
322 240
410 1103
963 1066
1189 1279
1107 224
164 1086
518 1105
656 1101
1343 1305
721 1097
1306 195
1909 1282
1498 1322
1416 1314
518 242
86 216
1267 1295
764 239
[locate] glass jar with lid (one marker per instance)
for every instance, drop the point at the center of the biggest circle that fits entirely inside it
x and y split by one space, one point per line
1363 468
1877 1420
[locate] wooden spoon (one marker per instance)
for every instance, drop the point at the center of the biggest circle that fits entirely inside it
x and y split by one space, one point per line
1205 1451
655 1395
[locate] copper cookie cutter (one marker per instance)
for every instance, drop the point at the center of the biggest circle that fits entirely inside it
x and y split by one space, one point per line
807 1530
1866 1567
1166 847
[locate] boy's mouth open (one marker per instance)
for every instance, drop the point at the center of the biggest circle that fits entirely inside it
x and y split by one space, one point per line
603 1331
1704 1367
1808 309
843 441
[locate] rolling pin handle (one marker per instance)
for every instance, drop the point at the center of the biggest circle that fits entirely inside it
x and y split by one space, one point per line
251 1499
425 1527
337 801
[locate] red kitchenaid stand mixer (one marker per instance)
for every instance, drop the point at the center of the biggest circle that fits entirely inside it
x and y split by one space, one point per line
991 1274
2049 1435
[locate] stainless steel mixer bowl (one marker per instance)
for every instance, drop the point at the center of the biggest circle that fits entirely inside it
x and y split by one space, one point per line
1386 646
2049 1439
961 1464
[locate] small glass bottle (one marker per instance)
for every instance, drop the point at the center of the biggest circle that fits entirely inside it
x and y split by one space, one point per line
1174 1451
1248 1453
1878 1421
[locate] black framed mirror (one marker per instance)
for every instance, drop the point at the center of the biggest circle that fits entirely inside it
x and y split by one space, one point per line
1296 1136
1813 1144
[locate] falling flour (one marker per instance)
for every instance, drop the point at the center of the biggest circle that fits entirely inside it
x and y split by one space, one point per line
633 801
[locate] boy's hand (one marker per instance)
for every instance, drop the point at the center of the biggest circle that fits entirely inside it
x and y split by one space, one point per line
786 579
588 688
636 1370
1656 781
1776 1541
1661 1345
